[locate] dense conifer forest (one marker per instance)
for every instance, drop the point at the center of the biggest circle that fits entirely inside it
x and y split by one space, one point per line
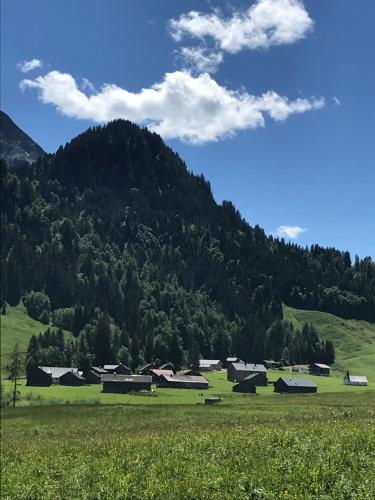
115 240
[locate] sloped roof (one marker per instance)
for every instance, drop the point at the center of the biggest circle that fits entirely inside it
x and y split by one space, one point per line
57 371
297 382
97 369
359 379
114 367
320 365
249 367
209 362
159 372
109 377
195 379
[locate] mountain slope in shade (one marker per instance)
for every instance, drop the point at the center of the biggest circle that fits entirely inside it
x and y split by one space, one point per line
16 147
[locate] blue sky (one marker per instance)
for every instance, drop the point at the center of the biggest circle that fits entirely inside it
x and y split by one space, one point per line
274 100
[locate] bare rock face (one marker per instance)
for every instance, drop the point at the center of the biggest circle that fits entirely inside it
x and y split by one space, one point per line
16 147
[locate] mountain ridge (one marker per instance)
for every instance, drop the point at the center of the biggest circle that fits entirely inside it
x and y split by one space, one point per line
16 146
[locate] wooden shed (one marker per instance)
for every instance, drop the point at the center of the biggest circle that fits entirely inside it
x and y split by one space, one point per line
210 365
156 374
94 375
319 369
238 371
72 378
38 377
249 383
294 385
120 369
126 383
183 381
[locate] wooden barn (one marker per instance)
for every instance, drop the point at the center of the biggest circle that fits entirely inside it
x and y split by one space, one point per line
72 378
210 365
247 385
94 375
183 382
47 375
238 371
156 374
120 369
319 369
126 383
231 360
360 380
294 385
146 369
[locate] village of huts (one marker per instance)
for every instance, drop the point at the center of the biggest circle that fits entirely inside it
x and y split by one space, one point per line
245 377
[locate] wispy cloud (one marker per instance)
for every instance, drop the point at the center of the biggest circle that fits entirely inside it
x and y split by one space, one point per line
26 66
86 85
193 109
291 232
264 24
336 101
201 59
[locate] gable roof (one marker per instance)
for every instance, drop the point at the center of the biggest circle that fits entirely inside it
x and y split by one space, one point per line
195 379
109 377
297 382
97 369
320 365
159 372
209 362
359 379
57 371
113 367
74 374
249 367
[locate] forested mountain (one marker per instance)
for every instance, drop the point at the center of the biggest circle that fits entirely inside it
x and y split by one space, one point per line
114 239
16 147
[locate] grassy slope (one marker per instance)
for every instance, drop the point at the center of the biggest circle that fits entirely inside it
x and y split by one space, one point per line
354 340
17 326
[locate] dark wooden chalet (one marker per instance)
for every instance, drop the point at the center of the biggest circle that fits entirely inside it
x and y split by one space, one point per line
183 381
146 369
94 375
156 374
294 385
319 369
238 371
249 383
120 369
231 360
72 378
47 375
126 383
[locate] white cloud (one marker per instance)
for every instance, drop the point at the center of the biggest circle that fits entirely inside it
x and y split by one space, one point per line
263 24
336 101
201 59
291 232
26 66
193 109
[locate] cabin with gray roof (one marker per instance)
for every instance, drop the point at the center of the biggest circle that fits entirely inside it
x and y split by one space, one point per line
72 378
294 385
210 365
94 375
123 384
319 369
120 368
247 385
183 381
238 371
47 375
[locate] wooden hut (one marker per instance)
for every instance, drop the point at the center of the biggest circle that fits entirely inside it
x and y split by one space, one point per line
319 369
126 383
238 371
249 383
294 385
210 365
72 378
183 381
94 375
120 369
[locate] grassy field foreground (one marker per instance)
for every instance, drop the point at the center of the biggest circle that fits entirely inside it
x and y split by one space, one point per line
311 448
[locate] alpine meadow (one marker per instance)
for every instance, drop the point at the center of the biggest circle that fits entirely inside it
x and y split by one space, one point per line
159 341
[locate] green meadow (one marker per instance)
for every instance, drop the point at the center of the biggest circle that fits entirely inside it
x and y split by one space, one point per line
79 443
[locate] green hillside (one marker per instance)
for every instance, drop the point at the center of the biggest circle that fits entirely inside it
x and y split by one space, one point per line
354 340
17 326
